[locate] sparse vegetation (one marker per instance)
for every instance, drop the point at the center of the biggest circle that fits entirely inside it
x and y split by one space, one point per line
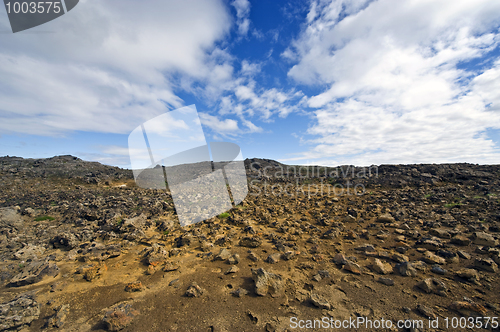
42 218
223 215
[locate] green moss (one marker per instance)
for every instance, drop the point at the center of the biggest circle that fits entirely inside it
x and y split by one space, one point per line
42 218
223 215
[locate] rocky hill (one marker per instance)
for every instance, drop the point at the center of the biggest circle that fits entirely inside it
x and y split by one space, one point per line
83 248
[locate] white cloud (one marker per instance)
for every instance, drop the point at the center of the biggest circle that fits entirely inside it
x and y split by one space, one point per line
222 127
395 91
242 13
108 66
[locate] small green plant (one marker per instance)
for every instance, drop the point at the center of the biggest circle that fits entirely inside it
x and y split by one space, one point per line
223 215
21 265
119 222
477 197
450 205
428 196
42 218
53 203
165 232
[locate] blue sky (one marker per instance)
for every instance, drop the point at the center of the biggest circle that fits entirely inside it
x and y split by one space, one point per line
303 82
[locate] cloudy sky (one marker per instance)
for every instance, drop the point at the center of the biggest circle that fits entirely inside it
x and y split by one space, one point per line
320 82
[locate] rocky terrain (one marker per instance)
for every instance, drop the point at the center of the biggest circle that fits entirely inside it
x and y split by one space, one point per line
84 249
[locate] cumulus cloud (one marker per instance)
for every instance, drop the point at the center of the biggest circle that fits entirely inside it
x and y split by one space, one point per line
108 66
222 127
242 13
398 89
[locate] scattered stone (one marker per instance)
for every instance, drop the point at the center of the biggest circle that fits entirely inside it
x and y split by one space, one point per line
288 255
319 301
460 240
381 268
119 317
469 275
386 281
352 267
406 269
34 273
463 254
486 264
433 285
171 266
59 317
93 271
194 290
426 311
240 292
438 270
267 283
339 259
19 313
253 257
251 242
273 258
484 239
223 255
156 255
431 258
134 287
234 259
232 269
386 218
466 308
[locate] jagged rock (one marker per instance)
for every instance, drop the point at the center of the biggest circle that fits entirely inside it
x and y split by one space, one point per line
65 241
273 258
431 258
171 266
240 292
119 317
92 271
484 239
232 269
34 273
288 255
386 281
253 257
194 290
438 270
386 218
19 312
134 287
426 311
460 240
234 259
352 267
267 283
442 233
319 301
59 317
339 259
433 285
406 269
466 308
29 252
156 255
469 275
486 264
10 218
250 242
223 255
381 268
